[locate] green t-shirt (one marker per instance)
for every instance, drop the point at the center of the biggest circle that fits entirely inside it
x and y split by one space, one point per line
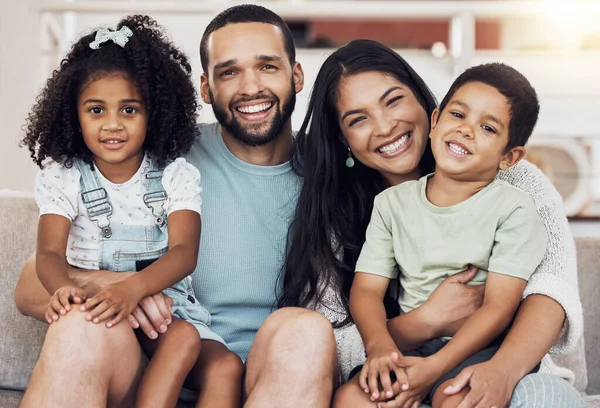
497 230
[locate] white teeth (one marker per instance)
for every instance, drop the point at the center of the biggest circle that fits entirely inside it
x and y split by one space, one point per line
254 108
395 145
457 149
112 141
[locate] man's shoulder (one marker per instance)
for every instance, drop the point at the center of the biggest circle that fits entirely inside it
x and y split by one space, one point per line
206 138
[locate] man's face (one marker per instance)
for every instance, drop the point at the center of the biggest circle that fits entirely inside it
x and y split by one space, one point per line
249 81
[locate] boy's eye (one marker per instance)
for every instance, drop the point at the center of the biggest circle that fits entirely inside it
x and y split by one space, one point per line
489 129
129 110
457 115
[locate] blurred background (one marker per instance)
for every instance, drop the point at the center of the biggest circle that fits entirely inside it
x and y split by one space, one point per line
555 43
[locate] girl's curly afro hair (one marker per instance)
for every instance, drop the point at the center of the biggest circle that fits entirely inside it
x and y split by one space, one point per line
161 73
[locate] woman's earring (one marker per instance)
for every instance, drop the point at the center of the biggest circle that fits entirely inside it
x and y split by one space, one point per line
350 159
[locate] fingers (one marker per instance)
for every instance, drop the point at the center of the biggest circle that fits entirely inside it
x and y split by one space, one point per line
54 308
145 323
386 383
163 307
401 376
117 319
98 310
151 310
91 303
133 323
373 380
362 378
472 400
77 295
459 382
107 314
63 298
464 276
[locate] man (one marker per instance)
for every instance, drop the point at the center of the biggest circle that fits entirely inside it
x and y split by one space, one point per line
250 78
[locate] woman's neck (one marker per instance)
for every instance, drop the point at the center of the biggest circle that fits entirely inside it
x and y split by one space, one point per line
395 179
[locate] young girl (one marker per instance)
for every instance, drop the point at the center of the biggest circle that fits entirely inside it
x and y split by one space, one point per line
108 131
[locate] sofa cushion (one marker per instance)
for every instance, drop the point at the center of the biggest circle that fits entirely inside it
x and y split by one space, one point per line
21 337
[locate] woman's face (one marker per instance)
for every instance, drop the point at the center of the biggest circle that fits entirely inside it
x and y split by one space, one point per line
384 124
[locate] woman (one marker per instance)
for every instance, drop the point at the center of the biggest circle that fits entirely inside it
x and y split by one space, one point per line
366 129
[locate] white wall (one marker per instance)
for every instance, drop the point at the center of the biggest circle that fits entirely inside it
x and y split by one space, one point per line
569 86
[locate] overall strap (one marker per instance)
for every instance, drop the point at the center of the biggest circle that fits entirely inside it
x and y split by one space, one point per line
155 196
95 198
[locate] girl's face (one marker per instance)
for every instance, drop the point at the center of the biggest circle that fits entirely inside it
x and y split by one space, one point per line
113 122
384 124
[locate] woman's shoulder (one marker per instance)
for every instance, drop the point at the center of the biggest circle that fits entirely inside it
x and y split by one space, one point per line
528 178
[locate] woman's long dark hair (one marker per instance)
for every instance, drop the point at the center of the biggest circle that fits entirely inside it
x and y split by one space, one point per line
335 202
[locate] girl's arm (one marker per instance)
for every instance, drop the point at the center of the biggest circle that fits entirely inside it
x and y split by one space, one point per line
119 299
51 267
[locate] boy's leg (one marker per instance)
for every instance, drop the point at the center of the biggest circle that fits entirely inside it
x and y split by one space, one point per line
292 362
173 356
217 376
85 364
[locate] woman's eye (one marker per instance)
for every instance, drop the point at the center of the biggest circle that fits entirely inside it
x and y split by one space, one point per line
394 100
356 120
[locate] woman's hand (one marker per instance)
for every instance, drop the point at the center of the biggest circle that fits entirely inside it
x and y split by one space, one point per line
491 385
452 303
116 300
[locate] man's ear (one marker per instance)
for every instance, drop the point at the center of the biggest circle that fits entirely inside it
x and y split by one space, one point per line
512 157
298 76
204 90
435 115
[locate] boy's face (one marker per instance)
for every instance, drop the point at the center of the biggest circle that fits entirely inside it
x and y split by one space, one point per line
249 81
470 136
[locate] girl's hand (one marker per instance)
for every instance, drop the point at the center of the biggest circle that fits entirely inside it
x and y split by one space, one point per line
60 302
422 374
116 300
376 370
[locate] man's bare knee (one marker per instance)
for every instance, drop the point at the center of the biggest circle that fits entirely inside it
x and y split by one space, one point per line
300 327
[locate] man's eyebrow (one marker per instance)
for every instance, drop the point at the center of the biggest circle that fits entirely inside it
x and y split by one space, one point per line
269 58
225 64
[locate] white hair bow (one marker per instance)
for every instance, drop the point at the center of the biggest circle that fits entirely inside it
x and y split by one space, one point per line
118 37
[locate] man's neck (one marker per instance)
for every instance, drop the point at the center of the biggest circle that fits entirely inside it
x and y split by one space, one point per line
275 152
445 191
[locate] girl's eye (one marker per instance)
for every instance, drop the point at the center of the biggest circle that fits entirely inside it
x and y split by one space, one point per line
356 120
96 110
394 100
457 115
129 110
489 129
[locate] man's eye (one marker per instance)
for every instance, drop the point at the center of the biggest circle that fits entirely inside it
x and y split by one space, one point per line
226 73
269 67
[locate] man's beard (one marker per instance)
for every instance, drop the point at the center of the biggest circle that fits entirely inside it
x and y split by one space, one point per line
254 137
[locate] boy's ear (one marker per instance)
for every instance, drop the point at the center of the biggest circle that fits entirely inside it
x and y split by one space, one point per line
435 115
512 157
204 88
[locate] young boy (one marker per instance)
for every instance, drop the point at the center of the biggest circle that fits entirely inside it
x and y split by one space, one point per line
424 231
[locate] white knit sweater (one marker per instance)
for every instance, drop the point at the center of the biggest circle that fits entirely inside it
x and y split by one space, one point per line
555 277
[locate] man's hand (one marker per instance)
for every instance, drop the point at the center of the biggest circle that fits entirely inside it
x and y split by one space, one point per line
60 302
453 302
376 370
115 301
491 386
422 373
153 315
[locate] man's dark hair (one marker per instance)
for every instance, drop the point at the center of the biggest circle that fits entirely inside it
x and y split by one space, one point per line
522 98
247 13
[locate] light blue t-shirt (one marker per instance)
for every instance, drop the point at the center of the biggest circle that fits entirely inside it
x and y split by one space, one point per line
246 213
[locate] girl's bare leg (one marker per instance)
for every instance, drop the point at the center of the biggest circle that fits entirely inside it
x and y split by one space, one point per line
217 376
174 355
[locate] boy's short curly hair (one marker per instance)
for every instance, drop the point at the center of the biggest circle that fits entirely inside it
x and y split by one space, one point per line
161 73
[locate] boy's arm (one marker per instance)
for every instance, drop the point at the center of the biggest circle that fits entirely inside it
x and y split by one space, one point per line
368 311
502 297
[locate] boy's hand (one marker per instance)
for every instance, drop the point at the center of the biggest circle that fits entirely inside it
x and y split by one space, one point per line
60 302
422 374
116 300
376 370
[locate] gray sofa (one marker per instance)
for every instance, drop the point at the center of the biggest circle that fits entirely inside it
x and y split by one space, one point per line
21 337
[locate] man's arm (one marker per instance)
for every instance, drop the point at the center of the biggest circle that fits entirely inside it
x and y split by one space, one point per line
32 299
